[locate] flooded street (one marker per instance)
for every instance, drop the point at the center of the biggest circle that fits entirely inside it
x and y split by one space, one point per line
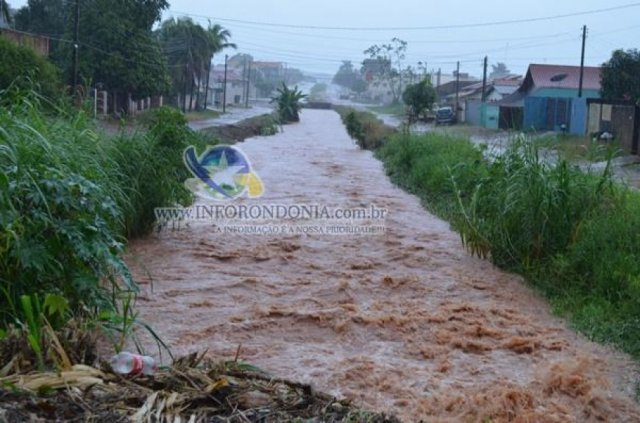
405 322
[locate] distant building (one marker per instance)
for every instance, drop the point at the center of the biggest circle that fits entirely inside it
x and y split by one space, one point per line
474 111
235 83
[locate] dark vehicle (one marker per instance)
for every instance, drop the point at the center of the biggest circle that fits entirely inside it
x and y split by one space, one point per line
445 115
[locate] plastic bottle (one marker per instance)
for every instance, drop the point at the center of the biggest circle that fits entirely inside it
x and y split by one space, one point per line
127 363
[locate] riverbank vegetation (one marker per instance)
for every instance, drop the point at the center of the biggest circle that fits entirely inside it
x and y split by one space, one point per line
573 235
70 198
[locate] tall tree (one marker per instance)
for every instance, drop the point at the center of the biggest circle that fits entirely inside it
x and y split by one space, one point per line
48 17
219 39
620 77
118 49
499 70
419 97
347 76
390 57
116 45
190 49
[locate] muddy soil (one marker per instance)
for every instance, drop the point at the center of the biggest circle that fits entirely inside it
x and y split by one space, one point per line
405 322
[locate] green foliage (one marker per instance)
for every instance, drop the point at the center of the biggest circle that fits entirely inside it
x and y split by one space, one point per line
619 78
68 194
189 49
369 132
427 166
288 101
48 17
125 57
117 48
527 210
419 97
22 68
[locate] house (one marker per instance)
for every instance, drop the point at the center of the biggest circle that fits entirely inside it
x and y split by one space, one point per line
479 113
236 87
548 99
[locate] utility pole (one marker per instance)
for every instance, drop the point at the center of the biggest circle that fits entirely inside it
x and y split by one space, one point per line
246 98
439 76
484 81
224 88
457 87
76 36
584 38
244 78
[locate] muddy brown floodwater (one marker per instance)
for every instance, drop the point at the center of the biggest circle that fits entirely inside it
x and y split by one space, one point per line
406 322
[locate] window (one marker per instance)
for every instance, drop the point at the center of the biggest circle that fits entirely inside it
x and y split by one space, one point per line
559 77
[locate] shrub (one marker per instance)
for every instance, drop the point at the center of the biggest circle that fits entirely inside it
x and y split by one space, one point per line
68 197
288 101
24 69
369 132
526 210
59 215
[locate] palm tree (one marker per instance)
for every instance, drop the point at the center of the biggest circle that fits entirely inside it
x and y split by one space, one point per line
219 40
190 49
186 45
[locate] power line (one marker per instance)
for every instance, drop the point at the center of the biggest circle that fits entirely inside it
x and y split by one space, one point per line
417 28
371 40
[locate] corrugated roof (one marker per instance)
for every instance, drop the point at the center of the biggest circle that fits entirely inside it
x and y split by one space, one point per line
559 76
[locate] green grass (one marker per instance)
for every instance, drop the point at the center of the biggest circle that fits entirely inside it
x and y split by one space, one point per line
398 109
202 115
574 236
365 128
577 148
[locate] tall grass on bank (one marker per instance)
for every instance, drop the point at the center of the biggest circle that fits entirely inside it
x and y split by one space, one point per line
69 197
574 235
365 128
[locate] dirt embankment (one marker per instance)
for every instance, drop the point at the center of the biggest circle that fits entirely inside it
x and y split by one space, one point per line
405 322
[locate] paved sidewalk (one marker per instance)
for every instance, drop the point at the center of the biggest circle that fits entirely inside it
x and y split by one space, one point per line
232 116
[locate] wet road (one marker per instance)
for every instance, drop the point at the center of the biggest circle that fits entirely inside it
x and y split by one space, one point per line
405 322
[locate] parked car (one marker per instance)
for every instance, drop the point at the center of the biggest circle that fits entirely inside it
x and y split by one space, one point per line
445 115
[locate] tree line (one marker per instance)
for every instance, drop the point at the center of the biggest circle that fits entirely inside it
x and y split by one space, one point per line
124 48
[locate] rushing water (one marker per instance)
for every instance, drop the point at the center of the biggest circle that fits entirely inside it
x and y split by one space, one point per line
405 322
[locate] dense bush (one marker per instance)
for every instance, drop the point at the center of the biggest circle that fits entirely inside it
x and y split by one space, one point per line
23 68
526 210
68 195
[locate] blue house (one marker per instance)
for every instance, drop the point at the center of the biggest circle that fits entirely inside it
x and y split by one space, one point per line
548 99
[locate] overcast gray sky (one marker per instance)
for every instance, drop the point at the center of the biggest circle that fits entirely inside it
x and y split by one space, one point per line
553 41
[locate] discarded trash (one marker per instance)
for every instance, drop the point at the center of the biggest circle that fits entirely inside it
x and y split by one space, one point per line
127 363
